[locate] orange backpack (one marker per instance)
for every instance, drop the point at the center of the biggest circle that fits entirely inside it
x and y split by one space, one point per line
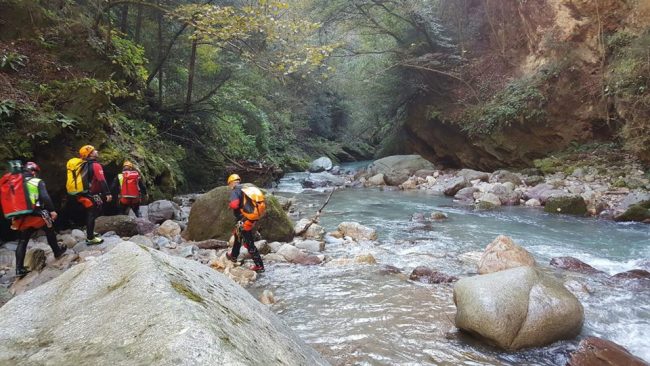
254 205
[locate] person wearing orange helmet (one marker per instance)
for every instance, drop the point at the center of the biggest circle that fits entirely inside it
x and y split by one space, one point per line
130 188
243 231
97 193
42 217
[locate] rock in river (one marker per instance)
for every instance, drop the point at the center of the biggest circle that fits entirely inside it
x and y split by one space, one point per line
594 351
139 306
502 254
517 308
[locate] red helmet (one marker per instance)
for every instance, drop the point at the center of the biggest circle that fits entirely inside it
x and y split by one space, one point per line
32 167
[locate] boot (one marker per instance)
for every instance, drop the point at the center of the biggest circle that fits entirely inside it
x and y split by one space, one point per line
22 272
256 268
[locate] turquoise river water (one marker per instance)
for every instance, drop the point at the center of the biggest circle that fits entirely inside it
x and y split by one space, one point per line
361 315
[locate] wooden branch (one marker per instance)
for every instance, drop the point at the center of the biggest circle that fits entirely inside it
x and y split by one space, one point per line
212 244
317 216
476 95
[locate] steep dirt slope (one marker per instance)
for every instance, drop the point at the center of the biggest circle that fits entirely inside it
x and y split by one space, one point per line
541 76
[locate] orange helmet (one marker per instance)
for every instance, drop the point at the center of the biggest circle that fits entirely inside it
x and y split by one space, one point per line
233 177
85 151
127 165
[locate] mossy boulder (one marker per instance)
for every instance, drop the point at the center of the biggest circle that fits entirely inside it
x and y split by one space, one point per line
570 204
639 212
122 225
210 218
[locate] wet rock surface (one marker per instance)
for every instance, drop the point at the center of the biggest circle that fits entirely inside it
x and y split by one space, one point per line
573 264
594 351
524 318
172 311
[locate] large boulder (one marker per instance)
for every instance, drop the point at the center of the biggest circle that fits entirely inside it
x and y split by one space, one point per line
357 231
517 308
376 180
542 192
454 185
162 210
503 176
122 225
323 179
210 218
139 306
471 175
567 204
466 195
398 168
169 229
594 351
321 164
638 212
634 198
503 253
314 231
144 226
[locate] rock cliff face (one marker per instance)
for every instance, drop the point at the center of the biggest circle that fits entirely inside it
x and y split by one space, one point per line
540 76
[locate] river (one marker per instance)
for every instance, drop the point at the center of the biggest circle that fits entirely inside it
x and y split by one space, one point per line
361 315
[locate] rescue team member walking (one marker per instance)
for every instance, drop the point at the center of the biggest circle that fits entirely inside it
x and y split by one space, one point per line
87 183
247 204
26 201
129 188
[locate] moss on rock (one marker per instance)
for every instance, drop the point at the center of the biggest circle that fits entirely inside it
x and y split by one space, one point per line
639 212
571 205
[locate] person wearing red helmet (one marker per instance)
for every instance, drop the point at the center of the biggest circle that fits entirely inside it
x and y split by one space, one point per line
42 217
98 190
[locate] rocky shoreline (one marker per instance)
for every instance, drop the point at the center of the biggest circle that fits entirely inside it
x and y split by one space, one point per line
169 229
607 193
584 192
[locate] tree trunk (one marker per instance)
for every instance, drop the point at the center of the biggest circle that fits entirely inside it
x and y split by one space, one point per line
124 20
138 24
190 79
108 31
160 58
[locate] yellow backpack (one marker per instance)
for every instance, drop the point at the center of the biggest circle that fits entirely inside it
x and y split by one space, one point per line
254 205
78 181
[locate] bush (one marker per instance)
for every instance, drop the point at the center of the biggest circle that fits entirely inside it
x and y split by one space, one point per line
521 101
628 82
12 61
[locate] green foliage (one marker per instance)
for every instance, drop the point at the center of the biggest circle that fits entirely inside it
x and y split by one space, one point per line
521 101
619 40
260 33
130 57
628 81
12 61
7 110
548 165
66 122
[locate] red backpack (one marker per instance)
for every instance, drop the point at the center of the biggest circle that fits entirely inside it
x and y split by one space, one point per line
129 187
14 195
